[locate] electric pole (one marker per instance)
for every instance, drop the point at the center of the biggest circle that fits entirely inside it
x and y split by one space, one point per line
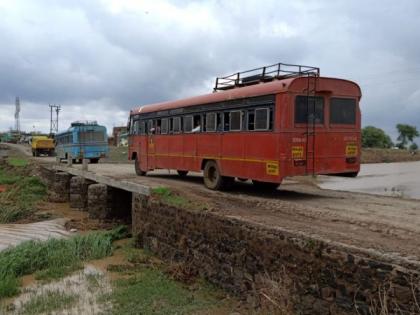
54 111
17 114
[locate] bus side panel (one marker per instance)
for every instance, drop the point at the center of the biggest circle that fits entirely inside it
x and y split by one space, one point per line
133 146
175 147
142 153
162 159
189 152
261 160
232 154
209 147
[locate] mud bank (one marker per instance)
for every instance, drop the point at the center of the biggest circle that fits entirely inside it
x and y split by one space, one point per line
267 264
292 272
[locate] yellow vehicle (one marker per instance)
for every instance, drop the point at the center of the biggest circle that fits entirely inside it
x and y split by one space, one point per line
42 145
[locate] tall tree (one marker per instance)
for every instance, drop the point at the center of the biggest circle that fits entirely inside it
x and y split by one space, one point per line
373 137
407 133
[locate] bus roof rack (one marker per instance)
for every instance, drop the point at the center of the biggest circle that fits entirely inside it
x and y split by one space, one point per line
269 73
84 123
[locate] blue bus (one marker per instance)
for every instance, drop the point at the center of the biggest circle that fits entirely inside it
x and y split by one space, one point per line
83 140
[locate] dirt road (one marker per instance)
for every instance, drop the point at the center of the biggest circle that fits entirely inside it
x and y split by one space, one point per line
384 224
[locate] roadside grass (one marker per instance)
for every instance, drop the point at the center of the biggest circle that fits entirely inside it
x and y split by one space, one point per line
54 258
146 287
168 197
20 198
7 178
48 302
17 162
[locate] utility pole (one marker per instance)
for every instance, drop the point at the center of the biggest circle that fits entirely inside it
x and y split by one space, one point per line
17 114
54 111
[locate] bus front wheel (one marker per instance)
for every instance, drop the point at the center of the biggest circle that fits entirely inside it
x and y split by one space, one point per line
137 168
213 179
93 161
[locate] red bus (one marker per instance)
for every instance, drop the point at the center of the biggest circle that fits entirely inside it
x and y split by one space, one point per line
263 127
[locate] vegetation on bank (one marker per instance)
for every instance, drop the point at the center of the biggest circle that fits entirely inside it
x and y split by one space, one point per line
373 137
147 286
20 193
49 302
375 155
54 258
167 196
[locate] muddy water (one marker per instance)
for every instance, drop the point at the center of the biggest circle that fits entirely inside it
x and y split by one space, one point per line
87 288
13 234
389 179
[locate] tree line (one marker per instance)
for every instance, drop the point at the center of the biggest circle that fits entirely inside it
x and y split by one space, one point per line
373 137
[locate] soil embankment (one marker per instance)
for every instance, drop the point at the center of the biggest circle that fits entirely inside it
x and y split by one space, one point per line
388 156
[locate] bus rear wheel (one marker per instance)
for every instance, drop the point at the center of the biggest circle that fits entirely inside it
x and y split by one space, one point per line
213 179
182 173
93 161
265 185
137 168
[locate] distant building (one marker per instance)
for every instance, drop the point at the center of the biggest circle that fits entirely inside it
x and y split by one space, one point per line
119 135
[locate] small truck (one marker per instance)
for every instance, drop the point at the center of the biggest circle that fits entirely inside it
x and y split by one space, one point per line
42 145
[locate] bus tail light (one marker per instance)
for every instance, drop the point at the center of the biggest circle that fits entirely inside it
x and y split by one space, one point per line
299 162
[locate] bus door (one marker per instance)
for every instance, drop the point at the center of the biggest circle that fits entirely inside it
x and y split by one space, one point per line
151 145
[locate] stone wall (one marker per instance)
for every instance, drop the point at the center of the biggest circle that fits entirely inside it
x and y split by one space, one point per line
273 267
79 192
106 202
101 201
58 184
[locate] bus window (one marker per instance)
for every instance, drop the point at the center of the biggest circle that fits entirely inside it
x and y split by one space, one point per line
188 123
176 125
135 127
251 119
164 126
211 122
261 119
343 111
196 123
88 136
271 119
158 124
309 110
150 127
226 121
141 128
235 122
219 119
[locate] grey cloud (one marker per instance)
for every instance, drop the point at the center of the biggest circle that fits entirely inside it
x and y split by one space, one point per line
79 53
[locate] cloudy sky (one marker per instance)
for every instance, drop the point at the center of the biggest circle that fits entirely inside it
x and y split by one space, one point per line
99 58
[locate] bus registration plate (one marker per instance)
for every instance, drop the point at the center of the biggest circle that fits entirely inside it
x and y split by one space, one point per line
351 149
